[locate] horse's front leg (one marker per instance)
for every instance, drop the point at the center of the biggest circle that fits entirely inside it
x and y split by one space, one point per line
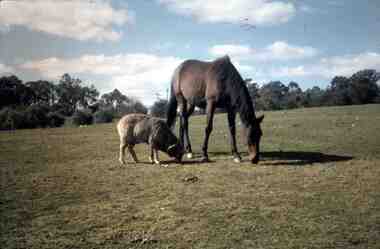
231 125
210 116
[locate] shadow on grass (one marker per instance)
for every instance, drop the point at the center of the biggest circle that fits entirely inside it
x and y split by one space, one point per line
268 158
185 162
300 158
291 158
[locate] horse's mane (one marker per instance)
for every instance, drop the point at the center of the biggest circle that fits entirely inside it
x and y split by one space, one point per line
235 87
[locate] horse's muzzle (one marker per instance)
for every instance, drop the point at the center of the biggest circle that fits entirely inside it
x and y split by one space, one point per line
253 154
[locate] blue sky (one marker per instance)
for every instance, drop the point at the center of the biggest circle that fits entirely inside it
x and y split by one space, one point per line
135 45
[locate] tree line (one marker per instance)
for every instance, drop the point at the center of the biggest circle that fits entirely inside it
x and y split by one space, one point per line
361 88
46 104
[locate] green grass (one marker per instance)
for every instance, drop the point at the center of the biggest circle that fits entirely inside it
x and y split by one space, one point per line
316 187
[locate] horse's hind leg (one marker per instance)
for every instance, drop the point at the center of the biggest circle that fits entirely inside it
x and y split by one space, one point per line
184 128
210 116
231 125
187 115
133 153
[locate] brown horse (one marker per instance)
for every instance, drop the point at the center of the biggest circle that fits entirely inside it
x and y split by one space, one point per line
210 85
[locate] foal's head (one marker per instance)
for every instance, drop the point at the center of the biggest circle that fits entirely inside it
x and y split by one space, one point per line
254 134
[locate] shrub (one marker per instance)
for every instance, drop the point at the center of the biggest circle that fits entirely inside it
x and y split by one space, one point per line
55 119
12 119
103 116
36 116
32 117
82 117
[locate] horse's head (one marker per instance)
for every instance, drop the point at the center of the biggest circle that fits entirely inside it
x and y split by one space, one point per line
254 134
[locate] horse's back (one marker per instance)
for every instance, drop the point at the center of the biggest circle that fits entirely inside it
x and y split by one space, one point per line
190 80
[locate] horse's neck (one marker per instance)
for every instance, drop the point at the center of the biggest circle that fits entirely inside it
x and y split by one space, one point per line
245 109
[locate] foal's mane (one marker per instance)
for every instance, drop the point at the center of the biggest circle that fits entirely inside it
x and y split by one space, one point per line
235 88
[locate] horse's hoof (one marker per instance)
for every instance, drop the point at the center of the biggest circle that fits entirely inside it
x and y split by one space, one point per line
237 160
189 155
205 160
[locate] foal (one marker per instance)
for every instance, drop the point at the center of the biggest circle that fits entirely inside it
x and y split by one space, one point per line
140 128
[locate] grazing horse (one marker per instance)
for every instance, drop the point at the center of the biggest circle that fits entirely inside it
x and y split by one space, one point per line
210 85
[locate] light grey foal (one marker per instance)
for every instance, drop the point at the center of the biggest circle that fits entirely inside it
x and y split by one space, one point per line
140 128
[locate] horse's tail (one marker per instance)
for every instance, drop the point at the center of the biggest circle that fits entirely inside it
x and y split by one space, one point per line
171 113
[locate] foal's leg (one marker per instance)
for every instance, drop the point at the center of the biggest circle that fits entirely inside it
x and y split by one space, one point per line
123 145
156 160
153 158
210 116
231 125
133 153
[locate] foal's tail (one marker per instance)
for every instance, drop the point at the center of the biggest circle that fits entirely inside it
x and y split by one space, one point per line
171 113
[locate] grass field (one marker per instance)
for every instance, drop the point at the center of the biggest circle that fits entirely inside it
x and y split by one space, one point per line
317 186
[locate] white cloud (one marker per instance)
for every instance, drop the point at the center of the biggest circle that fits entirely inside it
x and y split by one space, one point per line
243 68
290 72
232 50
348 64
278 50
140 75
80 20
345 65
255 12
281 50
4 69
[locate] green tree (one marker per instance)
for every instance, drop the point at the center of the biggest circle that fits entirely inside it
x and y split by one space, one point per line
339 92
72 95
69 94
88 96
294 96
44 92
253 89
159 107
313 97
363 86
114 98
14 93
272 96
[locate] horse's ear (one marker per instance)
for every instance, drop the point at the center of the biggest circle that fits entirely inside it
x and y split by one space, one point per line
260 119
